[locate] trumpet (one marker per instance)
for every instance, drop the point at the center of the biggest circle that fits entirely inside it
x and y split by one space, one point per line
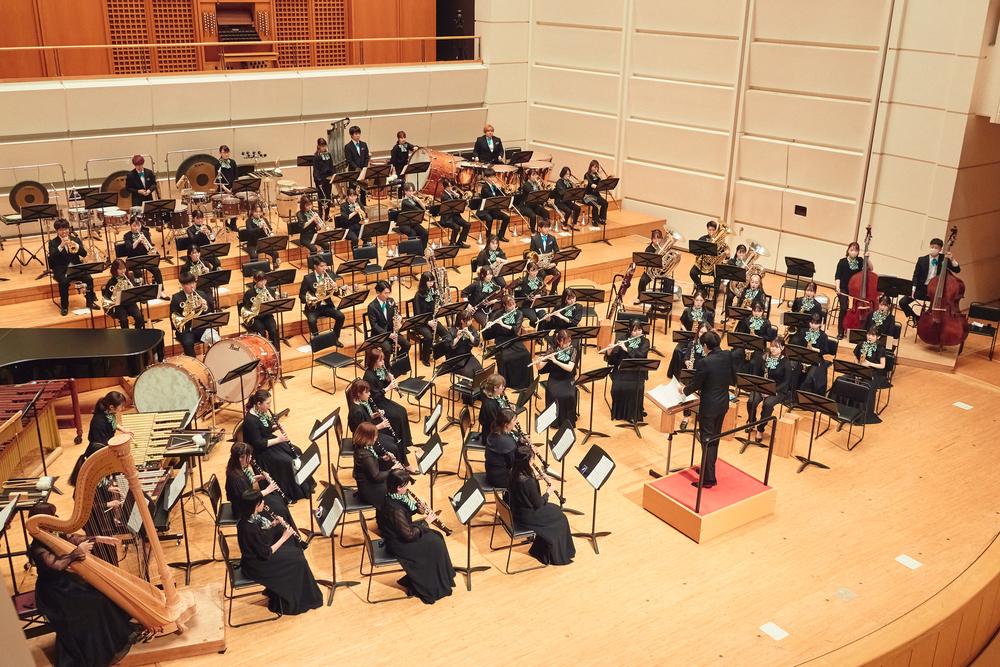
424 508
275 519
72 245
257 469
140 237
207 231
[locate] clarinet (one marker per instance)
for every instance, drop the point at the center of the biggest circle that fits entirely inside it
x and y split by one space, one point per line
266 476
275 519
381 413
392 380
548 480
424 508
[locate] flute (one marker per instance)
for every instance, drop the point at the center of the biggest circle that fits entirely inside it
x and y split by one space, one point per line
266 476
545 358
424 508
275 519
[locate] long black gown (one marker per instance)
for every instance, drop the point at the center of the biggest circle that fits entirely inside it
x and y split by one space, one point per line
553 542
874 354
370 473
500 448
464 346
359 414
277 459
91 630
782 376
285 573
560 388
394 412
703 314
628 387
527 287
421 551
100 432
764 329
239 482
513 362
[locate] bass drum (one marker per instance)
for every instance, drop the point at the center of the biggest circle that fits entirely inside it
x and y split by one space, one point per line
179 218
232 353
178 383
443 165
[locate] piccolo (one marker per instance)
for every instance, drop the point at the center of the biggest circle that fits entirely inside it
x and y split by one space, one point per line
284 524
424 508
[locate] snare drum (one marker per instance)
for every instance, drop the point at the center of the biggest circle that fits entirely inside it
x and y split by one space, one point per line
230 207
179 218
179 383
201 202
232 353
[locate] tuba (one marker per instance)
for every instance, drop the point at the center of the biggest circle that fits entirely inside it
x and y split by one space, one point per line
706 263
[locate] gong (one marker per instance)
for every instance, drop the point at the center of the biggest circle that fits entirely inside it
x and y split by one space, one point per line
28 193
116 183
200 171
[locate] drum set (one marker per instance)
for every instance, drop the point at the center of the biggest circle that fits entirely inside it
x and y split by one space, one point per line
469 175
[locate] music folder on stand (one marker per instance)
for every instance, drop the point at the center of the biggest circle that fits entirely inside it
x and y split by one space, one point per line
328 515
466 503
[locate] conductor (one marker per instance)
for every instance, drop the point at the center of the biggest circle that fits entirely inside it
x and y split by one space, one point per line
712 375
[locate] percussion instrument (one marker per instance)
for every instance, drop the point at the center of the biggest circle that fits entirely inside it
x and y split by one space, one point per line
200 171
443 165
200 201
230 207
543 169
232 353
538 156
247 200
186 195
76 213
28 193
116 183
288 201
113 217
468 173
178 383
179 218
509 176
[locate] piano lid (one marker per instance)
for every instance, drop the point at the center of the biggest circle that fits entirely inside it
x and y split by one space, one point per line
52 354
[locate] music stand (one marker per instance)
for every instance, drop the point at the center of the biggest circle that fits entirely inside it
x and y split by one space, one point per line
565 256
414 217
77 271
144 263
799 268
330 236
681 336
584 333
797 320
589 295
845 367
817 405
371 175
855 336
606 185
370 231
328 516
159 210
893 287
278 307
352 266
575 196
637 366
351 301
213 280
764 387
710 248
466 503
444 253
662 305
513 267
502 202
585 379
237 373
803 356
737 313
397 264
596 467
730 272
141 295
215 250
272 244
30 213
745 341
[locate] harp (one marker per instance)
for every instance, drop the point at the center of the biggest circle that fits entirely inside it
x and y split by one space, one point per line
159 611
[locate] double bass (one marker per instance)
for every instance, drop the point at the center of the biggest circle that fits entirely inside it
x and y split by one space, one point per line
863 289
943 322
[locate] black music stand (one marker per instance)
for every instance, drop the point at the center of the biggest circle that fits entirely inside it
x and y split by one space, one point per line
414 217
732 312
279 307
351 301
606 185
545 301
560 445
397 264
745 341
215 250
596 467
710 248
662 303
329 513
817 405
731 273
449 367
681 336
176 493
584 333
237 373
466 503
330 236
95 201
446 252
142 294
370 231
452 207
637 366
798 268
77 271
144 263
565 256
30 213
588 378
352 266
589 295
893 287
845 367
269 244
372 175
320 429
805 357
213 280
855 336
159 210
7 514
764 387
575 196
502 202
796 320
513 268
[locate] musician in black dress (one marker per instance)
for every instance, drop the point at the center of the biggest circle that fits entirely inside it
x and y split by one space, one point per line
198 265
121 280
538 211
423 303
378 378
569 209
553 541
198 303
258 228
482 290
774 366
487 217
544 243
655 241
66 249
513 361
324 308
566 316
592 198
241 477
488 149
400 154
382 312
814 378
807 303
696 275
561 367
755 323
91 630
491 402
881 319
274 452
311 225
411 203
138 243
141 182
362 410
198 231
464 339
261 324
739 260
371 464
532 287
712 376
270 555
104 424
924 270
847 268
871 354
754 292
628 387
322 172
456 222
698 311
353 217
492 256
420 550
501 442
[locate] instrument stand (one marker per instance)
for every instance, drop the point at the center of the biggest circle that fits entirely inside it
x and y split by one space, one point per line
588 378
817 405
329 515
596 467
466 504
372 173
161 209
397 264
751 384
39 212
187 564
637 366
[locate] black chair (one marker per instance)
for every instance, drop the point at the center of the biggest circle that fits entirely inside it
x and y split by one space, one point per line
35 623
326 257
378 556
352 503
924 305
249 268
515 531
852 402
236 581
471 440
987 323
414 249
890 370
331 360
345 446
370 253
223 511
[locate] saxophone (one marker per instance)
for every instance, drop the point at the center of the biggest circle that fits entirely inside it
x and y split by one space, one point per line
116 289
706 263
247 315
193 306
324 289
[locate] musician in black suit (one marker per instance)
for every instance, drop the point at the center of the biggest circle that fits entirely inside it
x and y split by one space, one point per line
488 190
261 324
544 243
381 312
696 275
456 222
488 149
324 308
197 264
185 335
197 230
711 379
926 268
357 156
61 256
322 172
532 213
138 243
570 210
141 182
411 203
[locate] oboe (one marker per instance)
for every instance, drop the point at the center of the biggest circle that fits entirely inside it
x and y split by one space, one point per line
424 508
284 524
548 480
266 476
372 409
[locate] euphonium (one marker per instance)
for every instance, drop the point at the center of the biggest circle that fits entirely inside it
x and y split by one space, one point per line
705 263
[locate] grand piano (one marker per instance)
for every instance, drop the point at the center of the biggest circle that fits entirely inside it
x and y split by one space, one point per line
54 354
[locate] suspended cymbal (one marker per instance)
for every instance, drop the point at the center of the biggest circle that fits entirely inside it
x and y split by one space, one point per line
116 183
28 193
200 171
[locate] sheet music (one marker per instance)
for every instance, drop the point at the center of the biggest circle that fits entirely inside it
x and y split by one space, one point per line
134 522
176 486
467 509
8 511
561 446
547 418
307 469
670 394
330 520
600 472
431 422
430 458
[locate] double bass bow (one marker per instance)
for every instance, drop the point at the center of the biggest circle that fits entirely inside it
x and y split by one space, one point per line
863 289
943 322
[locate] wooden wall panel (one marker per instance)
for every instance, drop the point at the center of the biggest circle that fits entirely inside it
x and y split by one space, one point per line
417 18
374 18
20 29
76 22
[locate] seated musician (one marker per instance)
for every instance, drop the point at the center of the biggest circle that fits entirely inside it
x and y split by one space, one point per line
655 241
807 303
120 280
757 324
66 249
698 311
592 198
371 464
696 275
848 267
199 232
814 338
273 451
560 363
684 357
553 543
423 303
259 294
532 213
187 302
271 556
480 293
382 313
310 224
141 182
361 409
456 222
492 256
738 259
754 291
258 227
881 319
464 339
420 550
488 216
316 284
566 316
400 154
241 476
871 354
628 387
774 366
501 443
544 243
532 287
514 360
90 629
104 424
488 149
382 383
197 265
353 217
411 203
139 243
322 172
569 209
925 269
491 402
